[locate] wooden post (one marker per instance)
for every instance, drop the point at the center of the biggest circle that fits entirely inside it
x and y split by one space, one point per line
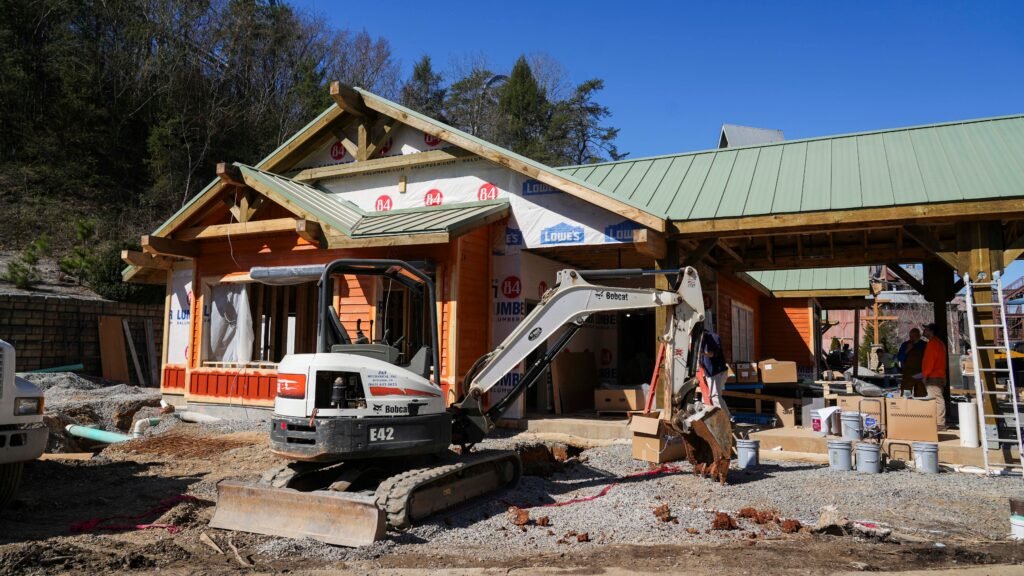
856 341
981 252
663 400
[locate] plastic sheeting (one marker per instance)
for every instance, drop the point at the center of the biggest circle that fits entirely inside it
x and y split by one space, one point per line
230 337
286 275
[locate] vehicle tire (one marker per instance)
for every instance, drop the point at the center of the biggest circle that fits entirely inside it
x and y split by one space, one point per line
10 477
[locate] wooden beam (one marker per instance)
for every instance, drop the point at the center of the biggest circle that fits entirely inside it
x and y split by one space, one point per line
142 260
348 99
363 141
548 176
728 250
907 277
650 243
381 164
703 249
843 257
230 174
342 241
890 216
309 230
1013 251
852 292
381 132
238 229
927 240
158 245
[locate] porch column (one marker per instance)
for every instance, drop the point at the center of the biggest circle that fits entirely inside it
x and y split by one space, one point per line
663 400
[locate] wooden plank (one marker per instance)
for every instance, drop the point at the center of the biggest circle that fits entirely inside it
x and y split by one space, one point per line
151 360
335 241
420 159
728 250
928 241
703 249
550 177
348 99
230 174
131 348
143 260
239 229
821 293
849 219
649 243
158 245
113 361
381 132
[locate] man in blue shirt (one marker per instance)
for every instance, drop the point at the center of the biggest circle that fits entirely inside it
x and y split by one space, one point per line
716 371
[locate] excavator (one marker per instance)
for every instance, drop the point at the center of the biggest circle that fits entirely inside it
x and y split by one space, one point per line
370 443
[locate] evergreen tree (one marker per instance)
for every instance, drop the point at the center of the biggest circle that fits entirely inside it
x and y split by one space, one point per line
575 132
524 114
471 103
423 91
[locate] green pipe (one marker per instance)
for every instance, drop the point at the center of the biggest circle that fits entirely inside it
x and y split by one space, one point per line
65 368
97 435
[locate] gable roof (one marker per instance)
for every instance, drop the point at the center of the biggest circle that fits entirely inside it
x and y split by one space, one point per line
970 160
847 280
734 135
347 218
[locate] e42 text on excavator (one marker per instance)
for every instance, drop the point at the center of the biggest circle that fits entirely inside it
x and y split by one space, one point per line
369 439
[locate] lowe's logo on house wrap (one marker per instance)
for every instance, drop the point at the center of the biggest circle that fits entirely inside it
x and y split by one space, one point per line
513 237
562 234
536 188
621 232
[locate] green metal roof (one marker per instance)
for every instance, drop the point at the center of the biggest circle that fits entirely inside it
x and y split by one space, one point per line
968 160
354 222
815 279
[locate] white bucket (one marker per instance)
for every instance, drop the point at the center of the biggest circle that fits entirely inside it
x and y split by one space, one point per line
968 412
819 427
747 453
1016 527
839 455
869 458
852 425
926 457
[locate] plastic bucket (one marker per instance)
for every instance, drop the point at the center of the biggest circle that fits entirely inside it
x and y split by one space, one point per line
839 455
869 458
1016 527
820 428
852 425
926 457
968 412
746 453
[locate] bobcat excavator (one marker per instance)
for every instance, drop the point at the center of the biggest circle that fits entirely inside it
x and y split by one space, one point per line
367 432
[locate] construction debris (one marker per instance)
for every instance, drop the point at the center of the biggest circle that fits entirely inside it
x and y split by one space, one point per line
518 516
723 521
664 513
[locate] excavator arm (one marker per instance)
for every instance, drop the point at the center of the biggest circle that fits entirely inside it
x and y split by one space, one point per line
561 313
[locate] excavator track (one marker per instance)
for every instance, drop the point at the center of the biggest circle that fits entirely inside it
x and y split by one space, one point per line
416 494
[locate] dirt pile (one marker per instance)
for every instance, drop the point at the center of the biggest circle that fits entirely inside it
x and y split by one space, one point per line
71 399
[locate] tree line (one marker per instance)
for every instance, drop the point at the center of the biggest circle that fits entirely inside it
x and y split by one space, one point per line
113 113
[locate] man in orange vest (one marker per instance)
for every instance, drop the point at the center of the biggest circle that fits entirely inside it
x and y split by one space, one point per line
933 371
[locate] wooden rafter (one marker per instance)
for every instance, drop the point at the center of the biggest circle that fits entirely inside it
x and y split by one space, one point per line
158 245
348 99
1013 251
143 260
928 241
728 250
381 132
240 229
309 230
230 174
907 277
703 249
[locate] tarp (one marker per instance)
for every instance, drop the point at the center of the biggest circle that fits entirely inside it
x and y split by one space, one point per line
230 336
286 275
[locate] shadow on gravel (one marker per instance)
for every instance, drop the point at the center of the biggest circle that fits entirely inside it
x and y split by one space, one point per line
54 495
765 471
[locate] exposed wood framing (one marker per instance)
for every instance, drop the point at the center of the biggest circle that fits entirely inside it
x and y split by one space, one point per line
821 293
907 277
925 238
230 174
157 245
240 229
348 99
342 241
1013 251
649 243
381 164
850 219
143 260
309 230
381 132
728 250
703 249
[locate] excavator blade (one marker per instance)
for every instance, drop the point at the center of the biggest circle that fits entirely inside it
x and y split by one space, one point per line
707 437
333 517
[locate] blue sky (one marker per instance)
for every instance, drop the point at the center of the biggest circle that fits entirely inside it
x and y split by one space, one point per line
676 71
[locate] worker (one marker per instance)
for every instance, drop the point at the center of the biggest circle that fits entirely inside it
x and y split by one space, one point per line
909 356
716 371
933 371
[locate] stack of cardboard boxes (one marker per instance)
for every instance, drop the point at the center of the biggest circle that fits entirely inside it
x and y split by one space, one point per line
901 418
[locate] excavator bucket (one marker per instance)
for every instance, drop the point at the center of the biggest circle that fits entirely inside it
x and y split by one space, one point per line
707 437
336 518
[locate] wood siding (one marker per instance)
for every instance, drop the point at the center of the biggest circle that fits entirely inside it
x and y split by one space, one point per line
786 330
474 298
732 289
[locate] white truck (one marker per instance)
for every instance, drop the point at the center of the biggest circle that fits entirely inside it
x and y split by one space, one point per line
22 432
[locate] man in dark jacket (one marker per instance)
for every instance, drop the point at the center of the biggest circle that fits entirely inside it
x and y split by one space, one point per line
910 355
716 371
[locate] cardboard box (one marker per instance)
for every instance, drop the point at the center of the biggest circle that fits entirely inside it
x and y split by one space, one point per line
619 400
908 419
746 372
786 412
654 441
874 408
777 371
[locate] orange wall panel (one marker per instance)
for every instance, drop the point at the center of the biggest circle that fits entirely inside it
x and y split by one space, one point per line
173 381
474 298
786 330
732 289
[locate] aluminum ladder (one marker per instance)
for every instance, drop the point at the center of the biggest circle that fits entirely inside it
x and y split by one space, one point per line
1010 421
